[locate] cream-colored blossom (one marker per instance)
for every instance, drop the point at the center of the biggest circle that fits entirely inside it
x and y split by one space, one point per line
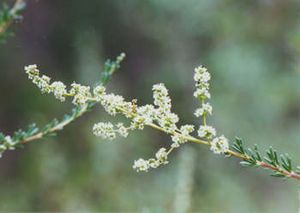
206 132
157 115
219 145
104 130
59 90
161 97
205 109
99 92
202 93
81 94
141 165
187 129
122 130
201 74
162 155
32 71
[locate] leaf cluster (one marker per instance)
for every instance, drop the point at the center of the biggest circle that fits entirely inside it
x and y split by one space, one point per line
281 165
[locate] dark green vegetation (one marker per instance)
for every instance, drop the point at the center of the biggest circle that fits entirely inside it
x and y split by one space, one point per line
251 48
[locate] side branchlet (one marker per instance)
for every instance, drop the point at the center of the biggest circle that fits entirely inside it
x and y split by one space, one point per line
281 165
160 116
33 133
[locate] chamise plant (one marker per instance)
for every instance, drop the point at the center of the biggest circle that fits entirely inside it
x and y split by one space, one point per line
160 117
157 115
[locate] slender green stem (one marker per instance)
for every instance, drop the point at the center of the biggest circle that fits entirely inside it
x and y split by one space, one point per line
60 126
170 150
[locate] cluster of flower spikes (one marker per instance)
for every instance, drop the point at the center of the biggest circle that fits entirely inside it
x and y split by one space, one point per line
219 145
157 115
81 94
7 143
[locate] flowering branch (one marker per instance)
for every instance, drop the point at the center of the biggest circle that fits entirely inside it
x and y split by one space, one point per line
33 133
159 116
8 15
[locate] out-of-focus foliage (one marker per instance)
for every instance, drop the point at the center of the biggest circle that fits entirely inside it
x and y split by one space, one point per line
8 15
252 49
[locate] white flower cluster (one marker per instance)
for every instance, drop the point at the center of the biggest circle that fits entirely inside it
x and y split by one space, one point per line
206 132
165 118
202 77
161 158
7 144
113 104
43 82
107 131
204 110
181 136
59 90
141 115
157 115
81 94
144 116
218 145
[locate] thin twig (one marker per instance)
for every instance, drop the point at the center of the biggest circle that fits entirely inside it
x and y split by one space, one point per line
262 164
60 126
33 134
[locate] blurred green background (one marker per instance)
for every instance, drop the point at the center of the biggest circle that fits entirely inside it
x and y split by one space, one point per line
252 50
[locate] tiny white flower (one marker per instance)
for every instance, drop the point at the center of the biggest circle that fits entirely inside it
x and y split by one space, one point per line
201 74
219 145
200 69
104 130
199 112
153 163
32 71
141 165
81 94
206 132
162 156
168 122
161 97
112 103
59 90
202 93
147 113
99 91
175 145
9 143
178 139
205 109
122 130
187 129
46 78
